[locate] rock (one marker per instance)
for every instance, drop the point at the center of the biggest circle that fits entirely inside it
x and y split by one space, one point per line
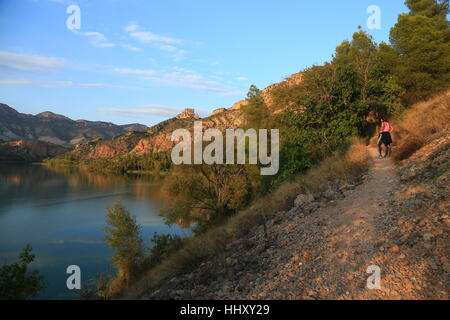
294 211
188 113
303 199
330 194
428 236
446 267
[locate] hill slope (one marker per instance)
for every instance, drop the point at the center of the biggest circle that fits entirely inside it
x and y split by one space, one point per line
158 137
55 128
29 150
396 218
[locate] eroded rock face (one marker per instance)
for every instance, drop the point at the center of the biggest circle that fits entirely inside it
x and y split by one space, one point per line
217 111
158 137
29 150
159 143
238 105
188 113
103 151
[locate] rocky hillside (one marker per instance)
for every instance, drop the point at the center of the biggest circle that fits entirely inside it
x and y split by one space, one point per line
29 150
55 128
394 217
322 247
158 137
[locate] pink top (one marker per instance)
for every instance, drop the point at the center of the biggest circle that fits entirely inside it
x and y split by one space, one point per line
385 127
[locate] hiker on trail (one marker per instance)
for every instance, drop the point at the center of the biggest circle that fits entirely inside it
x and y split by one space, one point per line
385 137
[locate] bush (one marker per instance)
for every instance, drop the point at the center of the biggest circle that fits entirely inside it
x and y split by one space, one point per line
342 165
16 282
124 236
164 245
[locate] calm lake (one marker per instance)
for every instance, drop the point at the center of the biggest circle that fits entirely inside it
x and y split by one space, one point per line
62 215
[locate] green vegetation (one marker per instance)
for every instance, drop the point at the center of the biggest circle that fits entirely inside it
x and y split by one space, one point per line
331 105
131 256
346 165
325 120
318 118
334 102
207 194
16 282
419 58
163 246
124 236
154 163
97 288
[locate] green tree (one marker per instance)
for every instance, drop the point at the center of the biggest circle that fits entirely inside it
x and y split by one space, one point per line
206 194
124 236
429 8
16 282
421 40
360 53
163 246
253 92
256 113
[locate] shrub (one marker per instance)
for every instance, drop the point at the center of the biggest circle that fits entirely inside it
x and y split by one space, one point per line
124 236
342 165
16 282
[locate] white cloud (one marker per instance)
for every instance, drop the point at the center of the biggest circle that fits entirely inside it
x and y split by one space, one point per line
160 42
181 69
241 79
186 80
232 93
95 85
96 39
131 48
137 33
31 63
51 84
181 77
179 55
140 72
148 109
189 79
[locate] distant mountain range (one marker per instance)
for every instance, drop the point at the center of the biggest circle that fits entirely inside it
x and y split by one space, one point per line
158 137
104 140
57 129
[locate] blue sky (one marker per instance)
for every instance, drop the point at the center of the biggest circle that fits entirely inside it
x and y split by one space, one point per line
144 61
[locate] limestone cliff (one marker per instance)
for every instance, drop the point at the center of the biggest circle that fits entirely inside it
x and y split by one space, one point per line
158 137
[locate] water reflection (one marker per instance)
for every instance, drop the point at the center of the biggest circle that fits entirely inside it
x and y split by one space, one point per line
61 213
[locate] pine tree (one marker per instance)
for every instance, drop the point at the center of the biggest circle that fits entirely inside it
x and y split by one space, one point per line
421 40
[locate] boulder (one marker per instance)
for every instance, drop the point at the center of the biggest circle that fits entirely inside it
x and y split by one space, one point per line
302 199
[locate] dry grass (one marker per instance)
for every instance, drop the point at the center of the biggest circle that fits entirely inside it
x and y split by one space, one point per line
344 166
413 129
420 124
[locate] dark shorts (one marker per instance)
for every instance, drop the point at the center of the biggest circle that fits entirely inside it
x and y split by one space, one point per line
385 139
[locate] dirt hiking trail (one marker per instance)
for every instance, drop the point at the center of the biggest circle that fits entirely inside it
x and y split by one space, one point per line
325 253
